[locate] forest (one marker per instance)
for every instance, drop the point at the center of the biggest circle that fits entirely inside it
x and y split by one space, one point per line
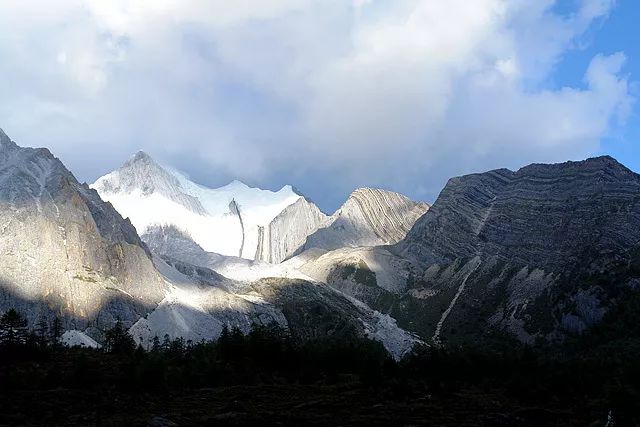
265 376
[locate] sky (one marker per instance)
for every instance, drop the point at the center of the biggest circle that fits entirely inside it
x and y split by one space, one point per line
326 95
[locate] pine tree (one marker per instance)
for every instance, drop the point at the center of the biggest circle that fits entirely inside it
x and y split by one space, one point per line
56 331
13 328
41 332
118 340
166 343
155 347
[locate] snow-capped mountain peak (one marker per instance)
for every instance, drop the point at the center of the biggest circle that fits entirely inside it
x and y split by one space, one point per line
226 220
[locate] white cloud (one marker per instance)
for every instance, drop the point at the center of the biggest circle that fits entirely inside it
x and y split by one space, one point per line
397 93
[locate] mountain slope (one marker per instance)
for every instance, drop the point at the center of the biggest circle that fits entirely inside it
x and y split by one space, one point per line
200 303
540 253
288 231
542 215
369 217
65 252
230 220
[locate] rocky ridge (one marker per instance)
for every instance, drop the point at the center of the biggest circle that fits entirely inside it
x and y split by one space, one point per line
369 217
539 253
64 252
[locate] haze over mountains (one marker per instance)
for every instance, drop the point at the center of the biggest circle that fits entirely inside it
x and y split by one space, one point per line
542 253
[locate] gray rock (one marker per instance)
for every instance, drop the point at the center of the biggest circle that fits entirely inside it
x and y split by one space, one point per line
63 251
552 217
537 253
288 231
546 228
369 217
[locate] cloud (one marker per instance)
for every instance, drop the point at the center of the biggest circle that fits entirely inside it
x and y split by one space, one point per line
327 95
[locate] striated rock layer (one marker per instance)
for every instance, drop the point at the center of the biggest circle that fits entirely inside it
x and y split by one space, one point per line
288 231
540 253
369 217
547 216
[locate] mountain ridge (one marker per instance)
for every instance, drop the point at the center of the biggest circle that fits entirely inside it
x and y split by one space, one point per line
538 253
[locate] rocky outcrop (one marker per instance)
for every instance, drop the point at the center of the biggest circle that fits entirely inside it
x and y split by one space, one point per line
554 217
64 252
540 253
288 231
369 217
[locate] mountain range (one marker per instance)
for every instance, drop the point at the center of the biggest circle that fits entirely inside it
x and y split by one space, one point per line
534 255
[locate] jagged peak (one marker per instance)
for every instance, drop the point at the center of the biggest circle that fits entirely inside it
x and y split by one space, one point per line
139 171
142 164
365 195
308 199
236 183
140 158
370 190
5 140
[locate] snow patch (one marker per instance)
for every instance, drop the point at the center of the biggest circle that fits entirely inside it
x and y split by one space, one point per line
75 338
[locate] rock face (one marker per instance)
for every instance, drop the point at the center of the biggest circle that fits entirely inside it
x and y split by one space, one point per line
369 217
540 253
288 231
200 302
554 217
234 220
64 251
547 245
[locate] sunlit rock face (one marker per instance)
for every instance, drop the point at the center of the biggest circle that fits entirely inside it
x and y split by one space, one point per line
288 231
369 217
65 252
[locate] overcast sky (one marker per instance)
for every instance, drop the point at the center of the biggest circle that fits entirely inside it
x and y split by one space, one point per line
325 95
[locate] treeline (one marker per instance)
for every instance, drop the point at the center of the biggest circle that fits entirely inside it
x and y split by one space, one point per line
592 382
267 354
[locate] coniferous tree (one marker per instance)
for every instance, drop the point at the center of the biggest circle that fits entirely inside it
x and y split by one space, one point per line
155 346
41 332
13 328
166 343
56 331
118 340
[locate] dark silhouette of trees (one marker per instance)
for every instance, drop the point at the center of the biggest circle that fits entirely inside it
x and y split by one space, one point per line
56 331
13 328
41 333
599 374
118 341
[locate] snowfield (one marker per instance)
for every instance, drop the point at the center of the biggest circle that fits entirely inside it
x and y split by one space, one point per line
75 338
223 220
